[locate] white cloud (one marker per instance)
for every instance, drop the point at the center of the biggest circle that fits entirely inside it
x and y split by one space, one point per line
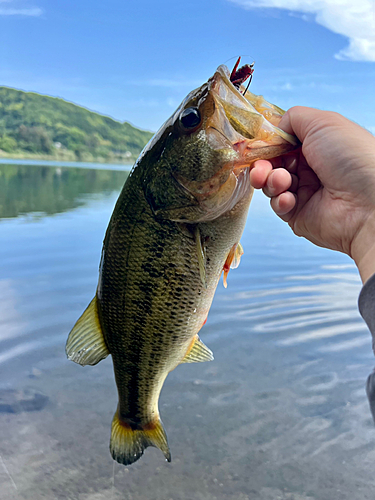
172 103
354 20
18 10
32 11
286 86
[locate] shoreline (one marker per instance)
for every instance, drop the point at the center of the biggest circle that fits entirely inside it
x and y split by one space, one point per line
67 156
64 163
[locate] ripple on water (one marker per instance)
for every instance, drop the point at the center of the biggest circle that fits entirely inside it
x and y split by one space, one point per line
278 412
319 309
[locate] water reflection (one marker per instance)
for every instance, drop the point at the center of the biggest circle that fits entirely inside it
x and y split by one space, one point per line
40 190
280 414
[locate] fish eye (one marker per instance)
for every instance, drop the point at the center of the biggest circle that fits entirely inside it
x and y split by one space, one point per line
190 118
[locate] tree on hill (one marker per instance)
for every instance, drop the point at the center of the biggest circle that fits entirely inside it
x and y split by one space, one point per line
39 124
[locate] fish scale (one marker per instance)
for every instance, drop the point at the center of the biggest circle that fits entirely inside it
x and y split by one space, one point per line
176 226
144 282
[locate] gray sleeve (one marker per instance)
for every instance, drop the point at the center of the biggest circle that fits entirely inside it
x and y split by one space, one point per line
366 304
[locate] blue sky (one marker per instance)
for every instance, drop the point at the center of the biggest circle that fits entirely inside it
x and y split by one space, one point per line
136 61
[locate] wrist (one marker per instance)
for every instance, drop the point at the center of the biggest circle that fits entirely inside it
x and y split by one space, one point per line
363 250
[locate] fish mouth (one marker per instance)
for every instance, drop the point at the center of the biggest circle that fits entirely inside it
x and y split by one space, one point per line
245 122
245 128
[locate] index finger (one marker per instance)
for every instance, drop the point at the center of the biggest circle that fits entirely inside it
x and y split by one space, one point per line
259 173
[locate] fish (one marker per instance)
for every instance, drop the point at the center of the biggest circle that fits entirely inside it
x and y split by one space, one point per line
175 229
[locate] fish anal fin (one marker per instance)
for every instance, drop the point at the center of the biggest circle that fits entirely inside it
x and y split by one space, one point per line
86 344
128 444
233 261
198 352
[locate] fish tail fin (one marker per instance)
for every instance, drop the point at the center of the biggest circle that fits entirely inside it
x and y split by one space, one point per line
128 444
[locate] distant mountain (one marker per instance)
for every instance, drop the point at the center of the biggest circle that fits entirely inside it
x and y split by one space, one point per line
39 126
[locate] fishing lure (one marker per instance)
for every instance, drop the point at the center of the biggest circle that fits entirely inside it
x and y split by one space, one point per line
239 76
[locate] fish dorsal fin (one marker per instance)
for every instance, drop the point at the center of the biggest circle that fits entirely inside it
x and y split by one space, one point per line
233 260
201 256
198 352
86 344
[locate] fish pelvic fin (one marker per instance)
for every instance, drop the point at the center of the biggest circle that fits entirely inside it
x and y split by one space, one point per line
86 344
233 261
128 444
198 352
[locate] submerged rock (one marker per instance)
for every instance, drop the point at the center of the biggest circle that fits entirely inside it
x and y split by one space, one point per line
17 401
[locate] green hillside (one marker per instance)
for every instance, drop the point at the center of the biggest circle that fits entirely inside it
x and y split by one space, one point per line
39 126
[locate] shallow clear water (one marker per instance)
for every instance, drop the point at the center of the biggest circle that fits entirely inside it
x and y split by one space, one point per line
280 414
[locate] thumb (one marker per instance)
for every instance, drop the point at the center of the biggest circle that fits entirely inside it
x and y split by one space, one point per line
300 121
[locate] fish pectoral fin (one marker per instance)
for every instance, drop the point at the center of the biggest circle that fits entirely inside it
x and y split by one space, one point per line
198 352
233 260
128 444
86 344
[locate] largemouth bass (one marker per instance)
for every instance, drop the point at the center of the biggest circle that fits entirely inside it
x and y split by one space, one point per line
175 229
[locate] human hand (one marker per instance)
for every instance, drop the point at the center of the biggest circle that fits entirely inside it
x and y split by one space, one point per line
326 190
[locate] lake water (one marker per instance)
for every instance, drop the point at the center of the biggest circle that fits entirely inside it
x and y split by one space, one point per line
281 414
